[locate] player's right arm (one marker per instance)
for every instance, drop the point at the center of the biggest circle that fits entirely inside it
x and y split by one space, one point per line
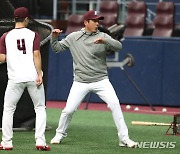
56 45
56 33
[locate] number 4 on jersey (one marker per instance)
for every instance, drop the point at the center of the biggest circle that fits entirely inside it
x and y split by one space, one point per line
21 45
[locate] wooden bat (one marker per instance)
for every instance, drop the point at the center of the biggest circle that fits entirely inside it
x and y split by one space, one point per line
146 123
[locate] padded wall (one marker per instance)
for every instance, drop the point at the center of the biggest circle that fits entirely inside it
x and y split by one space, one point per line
156 73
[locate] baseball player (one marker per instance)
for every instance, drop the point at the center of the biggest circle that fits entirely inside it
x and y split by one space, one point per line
89 47
20 48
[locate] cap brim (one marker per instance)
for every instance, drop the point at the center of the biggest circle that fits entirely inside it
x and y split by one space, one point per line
99 18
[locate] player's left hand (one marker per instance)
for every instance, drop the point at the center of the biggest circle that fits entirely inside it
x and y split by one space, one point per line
99 41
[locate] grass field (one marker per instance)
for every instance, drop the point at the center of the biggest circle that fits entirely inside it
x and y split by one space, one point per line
94 132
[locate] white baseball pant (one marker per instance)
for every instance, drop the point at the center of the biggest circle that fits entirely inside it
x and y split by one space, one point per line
105 91
12 96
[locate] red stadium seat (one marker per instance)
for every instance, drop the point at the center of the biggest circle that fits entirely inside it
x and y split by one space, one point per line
136 8
165 8
108 21
135 19
164 20
134 26
164 26
75 23
109 9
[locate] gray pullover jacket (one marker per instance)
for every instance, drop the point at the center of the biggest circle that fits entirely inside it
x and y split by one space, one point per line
89 59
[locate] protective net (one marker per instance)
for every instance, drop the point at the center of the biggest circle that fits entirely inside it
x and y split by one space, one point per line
176 128
24 115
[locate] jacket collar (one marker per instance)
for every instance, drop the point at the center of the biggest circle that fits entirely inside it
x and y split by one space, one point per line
83 32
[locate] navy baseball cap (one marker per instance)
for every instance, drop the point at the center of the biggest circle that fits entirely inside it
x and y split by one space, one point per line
21 12
92 15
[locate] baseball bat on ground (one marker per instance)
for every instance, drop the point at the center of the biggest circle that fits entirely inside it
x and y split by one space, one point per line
146 123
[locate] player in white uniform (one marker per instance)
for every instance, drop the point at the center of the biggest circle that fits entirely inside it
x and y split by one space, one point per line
20 48
89 47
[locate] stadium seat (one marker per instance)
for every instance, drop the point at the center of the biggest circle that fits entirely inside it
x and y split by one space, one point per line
165 8
108 21
134 26
164 26
109 9
163 22
75 22
135 19
136 8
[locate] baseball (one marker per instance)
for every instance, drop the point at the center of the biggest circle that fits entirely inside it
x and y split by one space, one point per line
164 110
128 107
136 109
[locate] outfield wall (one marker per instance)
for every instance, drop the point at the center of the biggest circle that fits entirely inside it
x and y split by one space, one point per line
156 72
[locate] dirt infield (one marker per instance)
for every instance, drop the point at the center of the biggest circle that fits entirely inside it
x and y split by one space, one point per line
103 107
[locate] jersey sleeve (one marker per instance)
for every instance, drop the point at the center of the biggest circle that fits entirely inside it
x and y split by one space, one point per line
3 44
36 43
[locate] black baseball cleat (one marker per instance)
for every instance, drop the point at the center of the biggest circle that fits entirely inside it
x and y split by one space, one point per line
43 148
